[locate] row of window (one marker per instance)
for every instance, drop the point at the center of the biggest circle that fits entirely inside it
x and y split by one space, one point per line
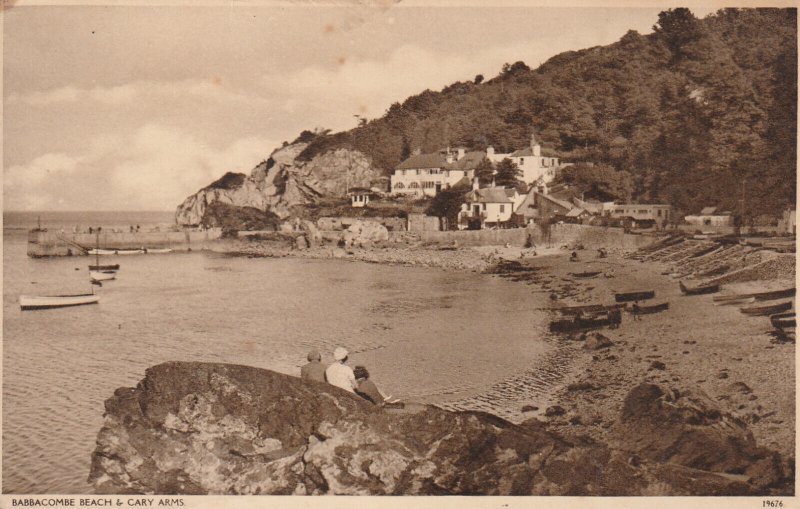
434 171
545 161
415 185
641 211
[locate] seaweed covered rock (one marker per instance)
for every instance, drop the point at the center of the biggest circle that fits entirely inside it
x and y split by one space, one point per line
200 428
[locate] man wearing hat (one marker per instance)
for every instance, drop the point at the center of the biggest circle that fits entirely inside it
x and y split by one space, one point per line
314 370
339 374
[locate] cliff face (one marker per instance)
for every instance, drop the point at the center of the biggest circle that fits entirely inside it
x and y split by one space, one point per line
197 428
282 182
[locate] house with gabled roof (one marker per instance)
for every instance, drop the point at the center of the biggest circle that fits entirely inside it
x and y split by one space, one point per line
427 174
488 206
534 166
709 216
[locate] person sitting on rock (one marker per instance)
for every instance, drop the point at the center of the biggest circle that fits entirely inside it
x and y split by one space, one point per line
314 370
367 389
339 374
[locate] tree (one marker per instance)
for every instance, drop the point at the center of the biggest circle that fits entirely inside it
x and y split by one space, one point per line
508 175
447 203
598 182
478 79
677 27
484 172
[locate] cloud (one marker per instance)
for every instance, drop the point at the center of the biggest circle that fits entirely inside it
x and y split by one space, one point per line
207 90
155 168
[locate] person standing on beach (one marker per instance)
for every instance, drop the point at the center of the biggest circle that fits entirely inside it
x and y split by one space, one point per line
314 370
339 374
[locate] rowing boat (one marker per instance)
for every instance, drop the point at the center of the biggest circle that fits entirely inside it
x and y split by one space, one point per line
584 275
783 320
102 275
29 302
114 266
580 323
698 290
149 250
760 296
646 310
735 302
634 296
588 308
770 309
104 252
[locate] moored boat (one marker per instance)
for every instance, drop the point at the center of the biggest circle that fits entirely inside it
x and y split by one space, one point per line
108 252
760 296
149 250
698 290
114 266
770 309
584 275
734 302
30 302
634 296
102 275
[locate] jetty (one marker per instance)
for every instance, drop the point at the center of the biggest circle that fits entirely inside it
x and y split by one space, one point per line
45 243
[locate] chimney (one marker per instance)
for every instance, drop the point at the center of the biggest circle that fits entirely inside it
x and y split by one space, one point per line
449 157
461 153
490 153
417 151
475 184
537 150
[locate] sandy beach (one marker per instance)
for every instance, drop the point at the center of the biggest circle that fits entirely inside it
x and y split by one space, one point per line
693 345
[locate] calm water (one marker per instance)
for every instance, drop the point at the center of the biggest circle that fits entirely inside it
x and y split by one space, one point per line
424 334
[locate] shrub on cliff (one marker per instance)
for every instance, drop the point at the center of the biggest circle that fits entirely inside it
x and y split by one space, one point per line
232 218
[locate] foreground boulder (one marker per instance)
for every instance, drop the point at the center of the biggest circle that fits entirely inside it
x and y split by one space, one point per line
199 428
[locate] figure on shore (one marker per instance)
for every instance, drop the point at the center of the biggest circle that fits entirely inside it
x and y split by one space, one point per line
314 370
366 388
601 253
615 317
574 256
339 374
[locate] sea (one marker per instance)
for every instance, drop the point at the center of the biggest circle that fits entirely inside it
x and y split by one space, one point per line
425 334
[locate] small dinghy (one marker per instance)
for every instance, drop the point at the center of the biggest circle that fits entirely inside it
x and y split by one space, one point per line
585 323
149 250
584 275
634 296
648 310
30 302
114 266
108 252
783 320
771 309
102 275
698 290
588 308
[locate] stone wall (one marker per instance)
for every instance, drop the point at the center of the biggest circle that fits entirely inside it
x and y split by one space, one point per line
560 234
423 223
339 223
52 243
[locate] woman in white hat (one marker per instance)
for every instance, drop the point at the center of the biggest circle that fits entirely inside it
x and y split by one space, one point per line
339 374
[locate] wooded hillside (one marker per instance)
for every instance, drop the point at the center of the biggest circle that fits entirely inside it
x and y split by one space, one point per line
696 111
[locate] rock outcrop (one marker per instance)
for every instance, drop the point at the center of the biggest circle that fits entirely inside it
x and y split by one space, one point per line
282 182
198 428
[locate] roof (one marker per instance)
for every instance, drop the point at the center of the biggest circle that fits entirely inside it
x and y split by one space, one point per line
525 152
707 211
470 161
561 203
576 212
491 195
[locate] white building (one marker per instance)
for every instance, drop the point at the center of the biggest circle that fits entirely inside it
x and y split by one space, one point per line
530 160
491 205
427 174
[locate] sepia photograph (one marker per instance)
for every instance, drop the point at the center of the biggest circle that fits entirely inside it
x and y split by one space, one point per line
397 248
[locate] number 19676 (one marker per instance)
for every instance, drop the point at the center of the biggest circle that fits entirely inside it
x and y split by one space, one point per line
772 503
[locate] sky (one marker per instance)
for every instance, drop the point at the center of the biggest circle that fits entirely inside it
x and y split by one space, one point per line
137 107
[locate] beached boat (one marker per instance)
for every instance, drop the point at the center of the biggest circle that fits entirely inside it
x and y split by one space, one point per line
760 296
588 308
583 323
102 275
634 296
114 266
777 294
770 309
783 320
734 302
698 290
149 250
584 275
28 302
646 310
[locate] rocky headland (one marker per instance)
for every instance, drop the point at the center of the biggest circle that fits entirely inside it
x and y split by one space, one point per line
199 428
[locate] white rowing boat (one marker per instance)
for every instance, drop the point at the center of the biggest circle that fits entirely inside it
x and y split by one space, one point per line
115 251
56 301
102 275
149 250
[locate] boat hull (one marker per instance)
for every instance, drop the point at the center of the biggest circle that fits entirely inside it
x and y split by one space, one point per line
102 276
634 296
647 310
109 252
29 302
104 267
699 290
767 310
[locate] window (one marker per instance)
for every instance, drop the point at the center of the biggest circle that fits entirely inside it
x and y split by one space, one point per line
484 206
399 185
417 172
413 185
403 172
502 208
521 161
659 212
